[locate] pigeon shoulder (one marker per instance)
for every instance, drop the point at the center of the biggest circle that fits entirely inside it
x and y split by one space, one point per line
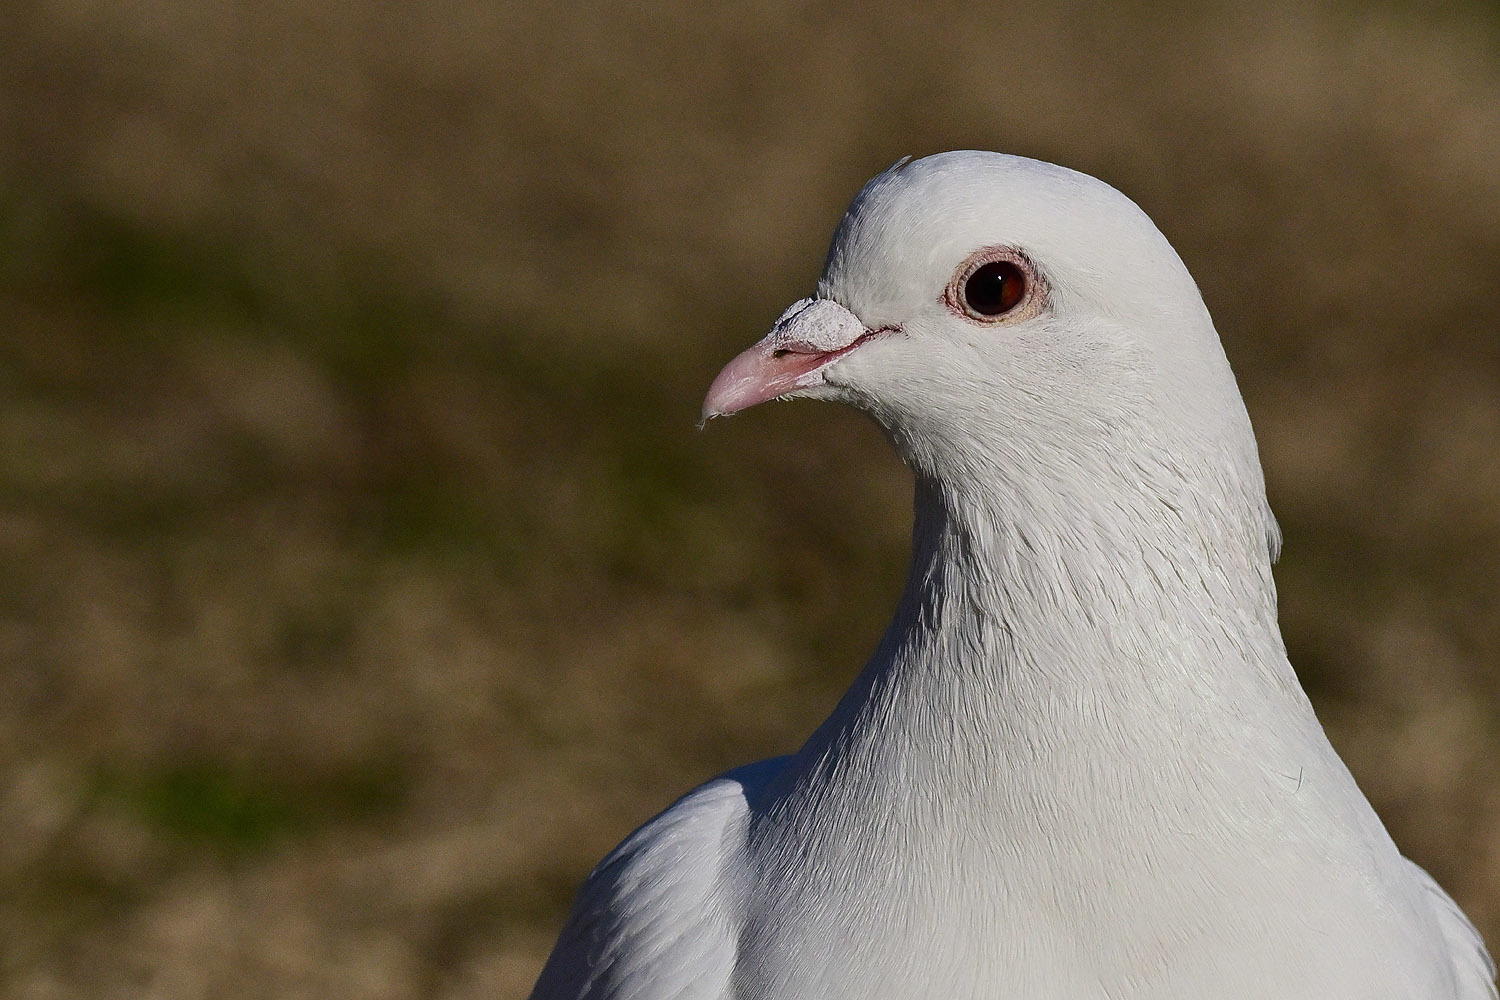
1473 968
655 918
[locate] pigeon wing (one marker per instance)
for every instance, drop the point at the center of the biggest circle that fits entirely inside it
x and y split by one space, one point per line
1473 969
653 921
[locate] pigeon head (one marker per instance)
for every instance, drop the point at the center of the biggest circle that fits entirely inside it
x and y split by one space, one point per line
1020 326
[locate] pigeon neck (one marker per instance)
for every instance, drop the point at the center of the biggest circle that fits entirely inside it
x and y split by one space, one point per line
1029 647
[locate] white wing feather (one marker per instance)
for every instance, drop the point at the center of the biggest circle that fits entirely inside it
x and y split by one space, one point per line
1473 968
654 921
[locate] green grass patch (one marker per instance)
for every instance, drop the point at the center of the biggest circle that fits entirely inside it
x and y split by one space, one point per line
236 809
53 248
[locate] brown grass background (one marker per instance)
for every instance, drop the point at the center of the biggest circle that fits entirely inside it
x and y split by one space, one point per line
362 577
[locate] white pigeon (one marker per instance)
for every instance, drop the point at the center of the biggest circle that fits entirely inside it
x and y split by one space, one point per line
1079 764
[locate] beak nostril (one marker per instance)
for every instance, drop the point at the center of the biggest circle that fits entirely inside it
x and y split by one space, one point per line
809 336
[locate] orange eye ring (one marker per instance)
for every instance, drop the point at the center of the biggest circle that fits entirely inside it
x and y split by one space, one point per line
996 285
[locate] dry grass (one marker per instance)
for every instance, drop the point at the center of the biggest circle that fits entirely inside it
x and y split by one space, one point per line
361 577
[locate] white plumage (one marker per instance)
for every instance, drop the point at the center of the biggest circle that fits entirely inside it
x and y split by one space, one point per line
1079 764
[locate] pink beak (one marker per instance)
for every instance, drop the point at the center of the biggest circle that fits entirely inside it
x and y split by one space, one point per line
808 337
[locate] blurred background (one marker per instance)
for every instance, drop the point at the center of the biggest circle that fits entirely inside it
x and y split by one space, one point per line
362 576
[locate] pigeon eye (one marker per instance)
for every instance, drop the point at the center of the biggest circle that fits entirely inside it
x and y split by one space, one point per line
994 288
995 284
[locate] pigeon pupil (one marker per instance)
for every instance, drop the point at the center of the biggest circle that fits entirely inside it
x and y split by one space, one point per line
994 288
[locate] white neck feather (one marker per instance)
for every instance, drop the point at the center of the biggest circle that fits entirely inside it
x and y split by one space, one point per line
1067 754
1064 669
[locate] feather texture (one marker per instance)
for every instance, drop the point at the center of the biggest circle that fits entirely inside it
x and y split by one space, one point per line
1079 764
